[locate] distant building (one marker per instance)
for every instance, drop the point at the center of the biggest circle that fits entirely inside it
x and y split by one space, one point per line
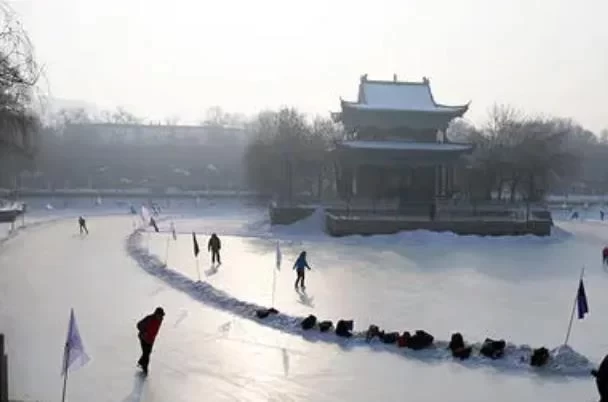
396 144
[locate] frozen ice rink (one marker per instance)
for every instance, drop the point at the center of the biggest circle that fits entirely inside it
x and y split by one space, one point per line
519 289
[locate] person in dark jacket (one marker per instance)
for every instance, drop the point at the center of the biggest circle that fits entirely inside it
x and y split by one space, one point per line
300 265
601 379
82 224
214 246
148 329
605 255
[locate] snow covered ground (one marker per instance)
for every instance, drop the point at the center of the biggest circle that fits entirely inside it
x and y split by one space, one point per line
519 289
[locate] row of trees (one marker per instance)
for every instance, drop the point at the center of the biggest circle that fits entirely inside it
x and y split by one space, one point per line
516 156
288 154
520 156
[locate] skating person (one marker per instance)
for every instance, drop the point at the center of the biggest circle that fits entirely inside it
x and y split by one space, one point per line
601 215
82 224
605 255
214 247
148 329
601 379
300 265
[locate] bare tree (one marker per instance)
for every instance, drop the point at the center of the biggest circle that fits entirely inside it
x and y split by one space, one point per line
19 73
120 116
216 116
522 153
288 154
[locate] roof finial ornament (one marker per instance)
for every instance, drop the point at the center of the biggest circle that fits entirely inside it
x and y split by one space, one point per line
425 80
364 78
394 77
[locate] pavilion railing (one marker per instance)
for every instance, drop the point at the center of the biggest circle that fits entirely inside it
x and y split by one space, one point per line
444 209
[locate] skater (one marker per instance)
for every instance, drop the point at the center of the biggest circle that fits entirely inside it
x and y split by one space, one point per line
148 329
214 246
82 224
300 266
605 255
601 379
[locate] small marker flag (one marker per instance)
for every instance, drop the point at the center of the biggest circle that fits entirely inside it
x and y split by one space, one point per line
74 355
197 250
154 225
581 301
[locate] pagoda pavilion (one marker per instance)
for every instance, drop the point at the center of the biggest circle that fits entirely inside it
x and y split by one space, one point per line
396 144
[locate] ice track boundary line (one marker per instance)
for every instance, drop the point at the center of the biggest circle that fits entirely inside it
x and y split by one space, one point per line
564 361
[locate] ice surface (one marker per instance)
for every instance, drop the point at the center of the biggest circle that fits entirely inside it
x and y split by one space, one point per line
518 289
516 357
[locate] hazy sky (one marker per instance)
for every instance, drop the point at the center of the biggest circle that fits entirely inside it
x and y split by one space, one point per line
161 58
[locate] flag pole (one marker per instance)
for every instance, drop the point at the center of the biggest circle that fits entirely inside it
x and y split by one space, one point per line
198 270
573 310
65 368
274 285
167 253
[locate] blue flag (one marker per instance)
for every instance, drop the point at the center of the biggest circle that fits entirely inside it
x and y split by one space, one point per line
581 301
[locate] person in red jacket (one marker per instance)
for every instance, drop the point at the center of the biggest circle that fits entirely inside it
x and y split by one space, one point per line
148 329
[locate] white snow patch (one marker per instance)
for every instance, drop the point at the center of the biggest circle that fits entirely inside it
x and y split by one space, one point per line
564 360
311 225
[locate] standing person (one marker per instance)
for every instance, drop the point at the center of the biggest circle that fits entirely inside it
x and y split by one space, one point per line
601 379
214 246
300 265
82 224
148 329
605 255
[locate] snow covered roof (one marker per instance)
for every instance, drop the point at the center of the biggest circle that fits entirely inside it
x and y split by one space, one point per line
400 96
407 146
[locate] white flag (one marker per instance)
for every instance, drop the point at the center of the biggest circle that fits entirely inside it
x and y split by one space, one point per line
145 215
173 231
74 355
279 257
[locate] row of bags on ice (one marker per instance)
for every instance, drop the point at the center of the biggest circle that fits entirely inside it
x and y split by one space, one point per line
493 349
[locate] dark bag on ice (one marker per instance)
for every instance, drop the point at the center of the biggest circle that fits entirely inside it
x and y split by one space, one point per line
456 342
403 339
344 328
462 353
325 326
420 340
493 349
390 337
265 312
372 331
309 322
540 357
458 348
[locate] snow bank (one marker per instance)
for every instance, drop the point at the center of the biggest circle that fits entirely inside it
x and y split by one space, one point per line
564 360
312 225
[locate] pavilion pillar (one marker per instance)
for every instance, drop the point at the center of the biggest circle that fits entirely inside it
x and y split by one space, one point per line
354 183
437 169
444 180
